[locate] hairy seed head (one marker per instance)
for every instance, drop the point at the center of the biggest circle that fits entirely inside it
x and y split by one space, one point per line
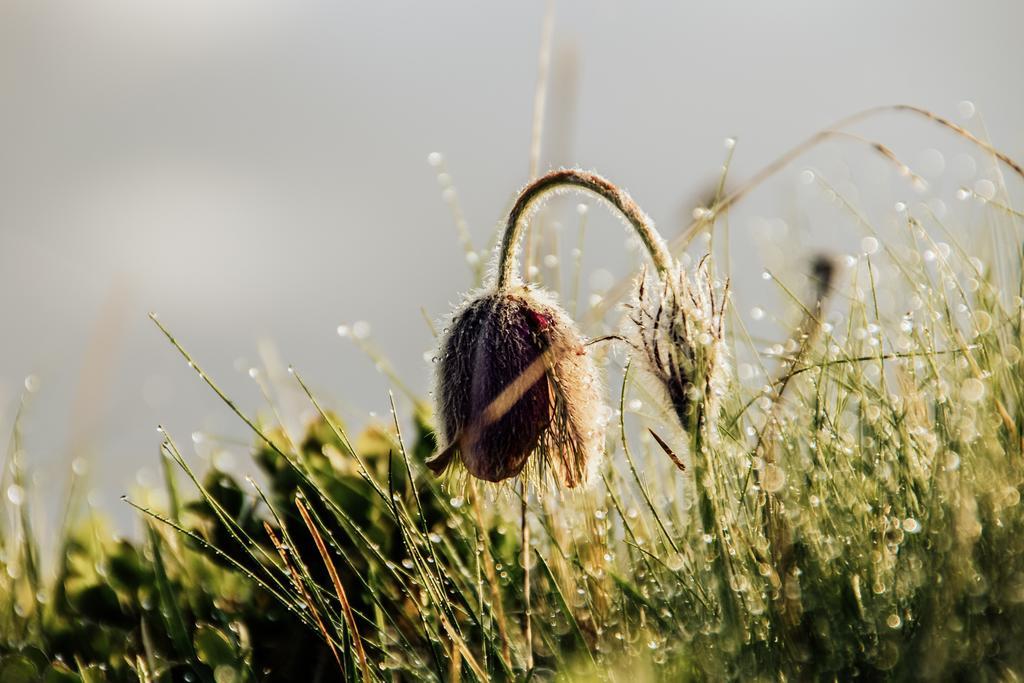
677 325
514 378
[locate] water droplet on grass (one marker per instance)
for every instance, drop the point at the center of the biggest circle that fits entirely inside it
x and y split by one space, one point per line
972 390
360 329
983 321
985 189
774 478
15 494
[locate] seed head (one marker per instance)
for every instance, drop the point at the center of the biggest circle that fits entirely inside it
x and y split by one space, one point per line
677 325
514 378
823 271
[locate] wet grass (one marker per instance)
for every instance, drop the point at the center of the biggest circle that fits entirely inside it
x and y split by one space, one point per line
850 506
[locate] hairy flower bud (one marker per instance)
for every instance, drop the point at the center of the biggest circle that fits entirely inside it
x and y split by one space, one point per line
514 378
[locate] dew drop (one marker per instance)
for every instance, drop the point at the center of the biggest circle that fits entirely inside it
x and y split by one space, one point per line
985 189
983 321
774 478
972 390
601 280
360 329
15 494
966 109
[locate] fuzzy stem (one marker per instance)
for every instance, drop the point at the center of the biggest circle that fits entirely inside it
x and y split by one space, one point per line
528 615
554 181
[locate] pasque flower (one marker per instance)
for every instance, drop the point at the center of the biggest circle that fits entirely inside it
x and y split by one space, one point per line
514 377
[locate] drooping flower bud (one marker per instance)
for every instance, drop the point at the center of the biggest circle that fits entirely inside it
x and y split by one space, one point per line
514 378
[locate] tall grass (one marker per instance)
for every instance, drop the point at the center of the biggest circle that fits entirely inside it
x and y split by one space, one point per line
851 507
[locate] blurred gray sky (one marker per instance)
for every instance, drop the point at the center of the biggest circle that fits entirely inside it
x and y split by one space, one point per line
256 170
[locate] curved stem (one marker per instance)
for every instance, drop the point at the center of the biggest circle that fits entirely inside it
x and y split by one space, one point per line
835 130
555 181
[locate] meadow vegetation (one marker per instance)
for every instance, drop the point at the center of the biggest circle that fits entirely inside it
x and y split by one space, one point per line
840 502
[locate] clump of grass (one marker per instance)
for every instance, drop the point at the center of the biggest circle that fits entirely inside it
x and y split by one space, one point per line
851 510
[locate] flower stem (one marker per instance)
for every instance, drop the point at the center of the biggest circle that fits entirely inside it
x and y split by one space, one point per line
556 181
